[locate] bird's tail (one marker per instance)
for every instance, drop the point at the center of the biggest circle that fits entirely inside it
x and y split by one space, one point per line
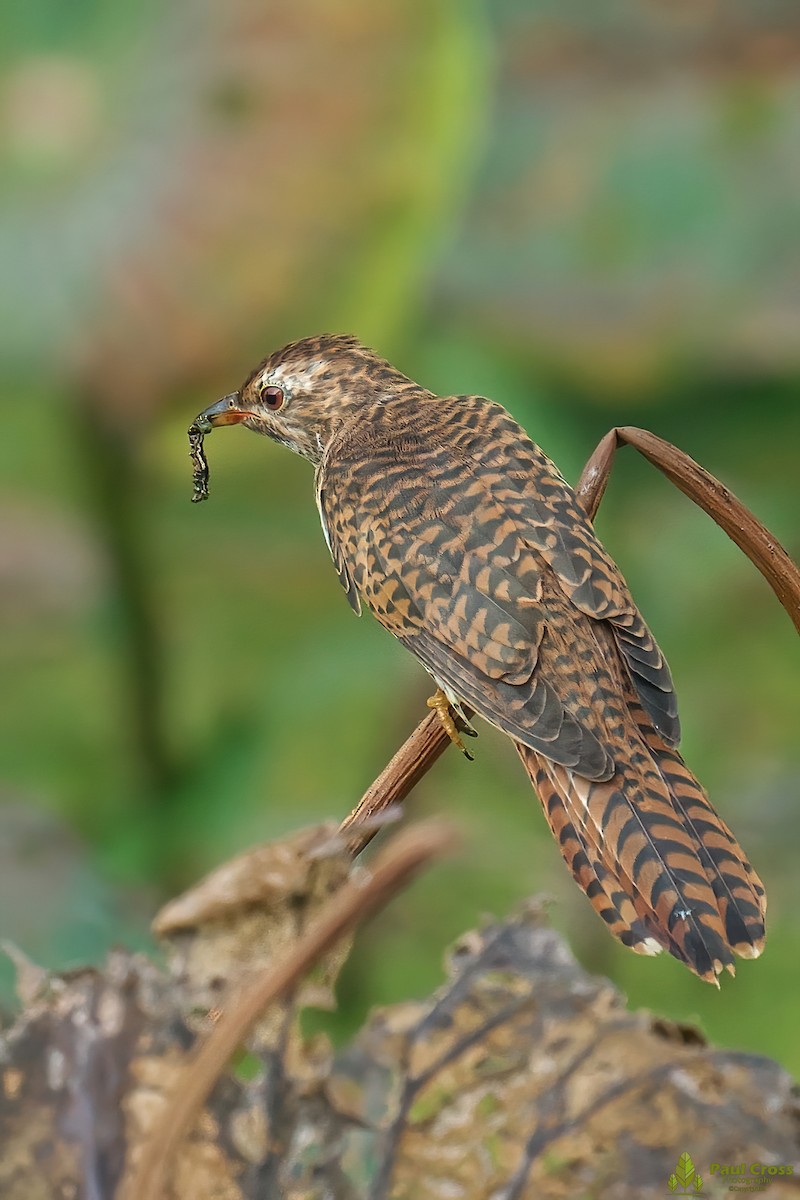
658 864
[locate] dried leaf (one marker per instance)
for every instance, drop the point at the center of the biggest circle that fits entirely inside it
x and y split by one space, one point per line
249 911
521 1076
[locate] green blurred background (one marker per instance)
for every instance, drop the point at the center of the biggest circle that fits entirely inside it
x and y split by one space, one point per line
590 212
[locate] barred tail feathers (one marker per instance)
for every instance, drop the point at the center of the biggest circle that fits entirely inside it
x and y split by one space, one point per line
655 860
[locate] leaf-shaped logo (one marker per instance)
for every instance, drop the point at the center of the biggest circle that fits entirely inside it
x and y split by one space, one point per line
684 1170
685 1177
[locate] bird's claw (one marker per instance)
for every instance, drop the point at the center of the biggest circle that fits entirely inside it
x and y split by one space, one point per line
443 709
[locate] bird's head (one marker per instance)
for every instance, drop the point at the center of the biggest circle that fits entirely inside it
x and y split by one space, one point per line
301 394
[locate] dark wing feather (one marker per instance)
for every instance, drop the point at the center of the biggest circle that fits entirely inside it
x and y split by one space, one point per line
476 645
538 497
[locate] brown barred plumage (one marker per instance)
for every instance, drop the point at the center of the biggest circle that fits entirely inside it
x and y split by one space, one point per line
466 543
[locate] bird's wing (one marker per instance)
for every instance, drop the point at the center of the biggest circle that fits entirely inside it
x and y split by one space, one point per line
534 491
468 563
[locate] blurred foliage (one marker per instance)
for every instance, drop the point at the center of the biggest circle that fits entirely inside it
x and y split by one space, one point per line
590 214
520 1075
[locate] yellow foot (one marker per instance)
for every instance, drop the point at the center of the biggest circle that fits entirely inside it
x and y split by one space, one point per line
441 706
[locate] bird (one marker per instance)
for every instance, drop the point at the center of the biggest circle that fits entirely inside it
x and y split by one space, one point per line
458 533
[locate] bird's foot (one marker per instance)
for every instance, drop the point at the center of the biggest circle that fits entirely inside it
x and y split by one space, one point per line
444 710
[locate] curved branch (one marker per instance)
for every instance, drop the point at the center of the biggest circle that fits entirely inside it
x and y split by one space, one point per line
753 538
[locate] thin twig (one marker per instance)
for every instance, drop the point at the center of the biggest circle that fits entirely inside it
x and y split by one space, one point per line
359 898
753 538
401 774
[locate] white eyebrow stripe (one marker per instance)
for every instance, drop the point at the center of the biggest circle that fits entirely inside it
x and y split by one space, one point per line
283 375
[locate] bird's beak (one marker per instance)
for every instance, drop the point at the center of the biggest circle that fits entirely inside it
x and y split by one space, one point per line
226 411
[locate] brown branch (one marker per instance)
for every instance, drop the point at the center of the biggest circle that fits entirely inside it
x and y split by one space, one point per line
591 486
753 538
358 899
401 774
428 741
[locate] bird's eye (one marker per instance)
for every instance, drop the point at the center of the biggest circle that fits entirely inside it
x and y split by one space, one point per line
273 398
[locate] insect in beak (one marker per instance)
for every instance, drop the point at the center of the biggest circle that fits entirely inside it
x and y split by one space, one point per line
226 411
